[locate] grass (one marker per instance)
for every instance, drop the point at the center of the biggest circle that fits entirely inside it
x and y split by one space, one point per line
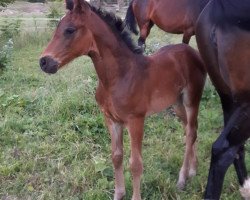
54 144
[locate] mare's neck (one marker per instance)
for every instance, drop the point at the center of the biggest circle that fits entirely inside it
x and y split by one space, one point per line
112 58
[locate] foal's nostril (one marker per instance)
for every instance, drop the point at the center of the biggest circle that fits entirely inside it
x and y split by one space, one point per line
48 64
43 62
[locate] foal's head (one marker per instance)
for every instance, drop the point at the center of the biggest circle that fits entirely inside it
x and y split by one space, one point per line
71 38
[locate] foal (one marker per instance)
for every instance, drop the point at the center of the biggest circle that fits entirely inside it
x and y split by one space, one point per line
131 85
170 15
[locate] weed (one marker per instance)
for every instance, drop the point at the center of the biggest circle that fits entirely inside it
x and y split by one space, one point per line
10 29
6 54
54 14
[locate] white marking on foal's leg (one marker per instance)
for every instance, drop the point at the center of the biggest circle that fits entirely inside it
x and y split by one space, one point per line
193 162
182 179
245 190
115 129
117 158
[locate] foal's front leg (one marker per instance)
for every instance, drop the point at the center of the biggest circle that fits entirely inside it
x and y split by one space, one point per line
116 132
135 128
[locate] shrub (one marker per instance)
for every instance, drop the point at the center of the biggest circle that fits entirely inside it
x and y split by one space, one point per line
54 14
37 1
9 29
5 54
5 2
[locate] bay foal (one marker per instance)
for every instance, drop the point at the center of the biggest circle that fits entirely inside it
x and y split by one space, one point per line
172 16
131 85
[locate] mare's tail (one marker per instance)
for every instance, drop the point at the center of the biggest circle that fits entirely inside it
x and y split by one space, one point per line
130 20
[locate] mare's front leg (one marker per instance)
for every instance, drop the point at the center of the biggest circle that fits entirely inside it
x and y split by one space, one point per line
135 128
228 107
116 132
225 149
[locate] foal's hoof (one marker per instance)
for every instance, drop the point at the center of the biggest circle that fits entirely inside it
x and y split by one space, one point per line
180 185
119 196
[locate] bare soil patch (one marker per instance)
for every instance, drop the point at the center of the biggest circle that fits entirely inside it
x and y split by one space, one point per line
21 8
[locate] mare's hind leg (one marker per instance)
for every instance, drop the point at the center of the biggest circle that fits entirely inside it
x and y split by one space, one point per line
144 32
240 166
116 132
239 163
226 148
187 35
189 119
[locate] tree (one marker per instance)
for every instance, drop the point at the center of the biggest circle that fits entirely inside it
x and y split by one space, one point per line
5 2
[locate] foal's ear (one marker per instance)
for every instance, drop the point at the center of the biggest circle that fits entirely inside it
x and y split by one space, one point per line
69 4
81 5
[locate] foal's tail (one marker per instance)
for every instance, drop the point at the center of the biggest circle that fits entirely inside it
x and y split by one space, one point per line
130 20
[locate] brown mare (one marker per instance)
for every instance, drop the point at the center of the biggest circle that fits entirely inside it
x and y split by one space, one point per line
131 85
172 16
223 38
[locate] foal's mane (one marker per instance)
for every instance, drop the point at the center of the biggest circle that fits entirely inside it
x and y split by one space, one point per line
118 27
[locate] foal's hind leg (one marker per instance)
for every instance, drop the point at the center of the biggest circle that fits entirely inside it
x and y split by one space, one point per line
190 159
188 115
116 132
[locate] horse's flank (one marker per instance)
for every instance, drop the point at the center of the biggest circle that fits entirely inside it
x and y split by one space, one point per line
163 13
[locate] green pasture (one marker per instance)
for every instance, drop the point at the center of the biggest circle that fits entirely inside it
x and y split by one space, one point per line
54 143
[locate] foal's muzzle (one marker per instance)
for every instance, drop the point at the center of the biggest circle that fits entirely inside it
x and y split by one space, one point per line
49 65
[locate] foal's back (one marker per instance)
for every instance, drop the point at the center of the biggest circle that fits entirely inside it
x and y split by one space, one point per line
174 70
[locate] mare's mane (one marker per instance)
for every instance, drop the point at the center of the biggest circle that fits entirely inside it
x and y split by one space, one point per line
118 28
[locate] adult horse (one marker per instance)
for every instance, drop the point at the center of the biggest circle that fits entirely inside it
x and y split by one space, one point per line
170 15
131 85
223 38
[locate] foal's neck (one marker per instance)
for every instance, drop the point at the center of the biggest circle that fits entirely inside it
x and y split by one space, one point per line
112 59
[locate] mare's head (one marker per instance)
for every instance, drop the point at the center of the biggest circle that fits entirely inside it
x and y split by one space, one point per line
71 38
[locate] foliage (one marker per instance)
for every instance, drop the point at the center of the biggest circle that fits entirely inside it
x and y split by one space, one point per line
37 1
6 2
6 54
8 31
10 28
54 13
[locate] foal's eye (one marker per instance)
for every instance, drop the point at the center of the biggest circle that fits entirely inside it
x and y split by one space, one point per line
69 31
